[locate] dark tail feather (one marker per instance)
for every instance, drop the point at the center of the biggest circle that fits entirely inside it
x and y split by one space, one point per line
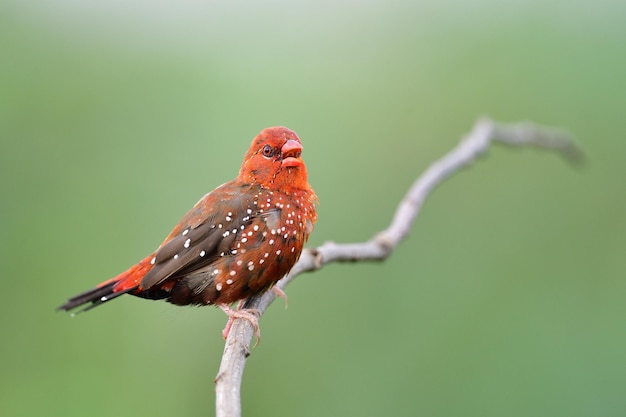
95 297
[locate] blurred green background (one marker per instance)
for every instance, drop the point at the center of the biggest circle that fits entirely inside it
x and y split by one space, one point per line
507 299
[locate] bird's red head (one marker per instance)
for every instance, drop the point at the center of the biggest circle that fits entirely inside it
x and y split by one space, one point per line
274 160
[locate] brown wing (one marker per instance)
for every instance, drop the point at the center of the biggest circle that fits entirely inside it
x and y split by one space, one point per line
247 267
203 235
248 238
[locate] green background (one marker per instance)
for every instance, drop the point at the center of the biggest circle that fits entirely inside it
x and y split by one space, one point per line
507 298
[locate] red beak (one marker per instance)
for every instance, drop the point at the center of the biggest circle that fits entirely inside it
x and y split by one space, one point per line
291 152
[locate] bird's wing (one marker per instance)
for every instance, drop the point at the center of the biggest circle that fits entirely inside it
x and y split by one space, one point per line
206 233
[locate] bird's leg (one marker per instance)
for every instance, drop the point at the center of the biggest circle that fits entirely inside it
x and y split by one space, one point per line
229 312
249 314
280 293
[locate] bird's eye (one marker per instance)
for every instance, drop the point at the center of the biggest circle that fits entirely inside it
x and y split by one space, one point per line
268 151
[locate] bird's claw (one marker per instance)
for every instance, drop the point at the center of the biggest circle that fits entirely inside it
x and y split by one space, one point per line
280 293
250 314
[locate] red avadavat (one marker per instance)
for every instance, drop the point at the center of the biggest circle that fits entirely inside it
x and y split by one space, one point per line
237 241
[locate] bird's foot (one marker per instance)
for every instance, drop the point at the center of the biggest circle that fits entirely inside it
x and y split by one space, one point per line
280 293
249 314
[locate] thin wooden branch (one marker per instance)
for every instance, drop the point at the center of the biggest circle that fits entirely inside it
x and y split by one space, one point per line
379 247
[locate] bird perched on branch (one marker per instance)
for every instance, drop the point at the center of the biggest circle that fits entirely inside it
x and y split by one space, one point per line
236 242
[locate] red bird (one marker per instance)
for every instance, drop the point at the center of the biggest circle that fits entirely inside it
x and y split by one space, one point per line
237 241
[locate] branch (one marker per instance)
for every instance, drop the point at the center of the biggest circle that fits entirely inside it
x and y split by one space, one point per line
379 247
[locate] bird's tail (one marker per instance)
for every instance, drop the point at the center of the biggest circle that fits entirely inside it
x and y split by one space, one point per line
126 282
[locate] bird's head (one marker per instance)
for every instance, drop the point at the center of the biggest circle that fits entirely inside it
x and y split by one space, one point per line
274 160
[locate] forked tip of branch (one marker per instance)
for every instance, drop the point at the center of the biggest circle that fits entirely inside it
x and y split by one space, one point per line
527 133
574 154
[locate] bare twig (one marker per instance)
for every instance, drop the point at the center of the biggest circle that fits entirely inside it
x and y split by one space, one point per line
485 131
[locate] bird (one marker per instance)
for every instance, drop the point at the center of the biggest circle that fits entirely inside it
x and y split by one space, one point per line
236 242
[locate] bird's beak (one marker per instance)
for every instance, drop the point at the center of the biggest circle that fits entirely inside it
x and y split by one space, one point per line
291 152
